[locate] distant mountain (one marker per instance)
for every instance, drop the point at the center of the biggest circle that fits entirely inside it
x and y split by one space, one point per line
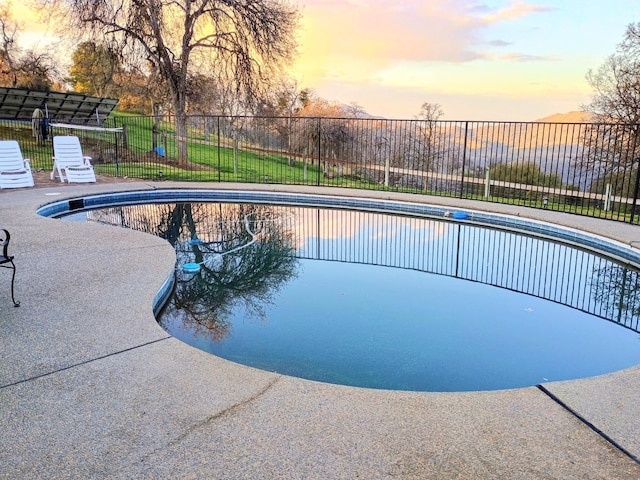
570 117
550 142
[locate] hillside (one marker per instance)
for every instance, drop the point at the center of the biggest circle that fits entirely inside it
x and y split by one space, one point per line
570 117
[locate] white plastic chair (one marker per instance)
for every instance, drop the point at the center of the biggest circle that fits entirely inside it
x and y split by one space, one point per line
69 162
15 171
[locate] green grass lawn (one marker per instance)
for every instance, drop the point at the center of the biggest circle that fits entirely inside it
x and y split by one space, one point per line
213 161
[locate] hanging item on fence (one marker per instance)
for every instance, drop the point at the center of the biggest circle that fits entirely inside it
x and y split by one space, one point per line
39 125
44 128
35 121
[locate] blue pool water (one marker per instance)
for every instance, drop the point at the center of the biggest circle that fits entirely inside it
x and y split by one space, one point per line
382 301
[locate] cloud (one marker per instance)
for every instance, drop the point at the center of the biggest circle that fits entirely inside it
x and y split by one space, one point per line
523 57
499 43
375 33
513 11
357 38
480 9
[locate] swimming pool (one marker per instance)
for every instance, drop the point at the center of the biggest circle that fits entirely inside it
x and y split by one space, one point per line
391 301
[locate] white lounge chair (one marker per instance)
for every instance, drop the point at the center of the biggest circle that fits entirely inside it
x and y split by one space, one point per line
69 162
15 171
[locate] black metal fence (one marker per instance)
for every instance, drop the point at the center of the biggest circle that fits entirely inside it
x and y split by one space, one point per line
582 168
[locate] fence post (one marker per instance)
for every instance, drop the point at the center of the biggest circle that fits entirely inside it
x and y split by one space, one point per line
635 189
125 136
235 154
218 147
464 158
607 197
487 183
115 137
319 156
165 144
387 170
635 192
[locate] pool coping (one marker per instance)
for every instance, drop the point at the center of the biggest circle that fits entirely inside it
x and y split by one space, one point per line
608 403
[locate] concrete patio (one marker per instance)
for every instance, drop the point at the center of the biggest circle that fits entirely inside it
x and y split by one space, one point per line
92 387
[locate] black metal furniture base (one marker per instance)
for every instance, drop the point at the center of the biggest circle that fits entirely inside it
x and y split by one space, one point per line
6 261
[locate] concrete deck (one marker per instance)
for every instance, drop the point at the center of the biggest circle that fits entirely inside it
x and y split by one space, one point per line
92 387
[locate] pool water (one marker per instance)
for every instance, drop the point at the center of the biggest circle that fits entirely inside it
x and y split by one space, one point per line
382 301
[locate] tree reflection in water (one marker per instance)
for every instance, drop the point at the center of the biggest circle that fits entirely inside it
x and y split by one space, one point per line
616 289
245 253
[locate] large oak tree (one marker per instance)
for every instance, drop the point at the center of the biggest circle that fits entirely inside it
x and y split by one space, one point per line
175 37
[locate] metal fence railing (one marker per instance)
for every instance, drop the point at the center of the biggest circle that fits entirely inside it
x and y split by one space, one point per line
583 168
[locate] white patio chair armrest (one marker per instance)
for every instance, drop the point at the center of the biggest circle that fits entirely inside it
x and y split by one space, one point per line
27 163
87 160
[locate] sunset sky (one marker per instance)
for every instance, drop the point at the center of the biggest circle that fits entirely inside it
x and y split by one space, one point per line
480 60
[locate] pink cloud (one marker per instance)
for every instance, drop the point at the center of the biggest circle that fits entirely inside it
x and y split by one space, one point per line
384 32
514 11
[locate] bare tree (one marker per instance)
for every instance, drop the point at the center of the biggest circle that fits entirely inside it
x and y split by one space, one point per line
20 68
611 145
429 134
279 110
616 83
426 141
430 112
248 37
36 71
324 136
8 47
